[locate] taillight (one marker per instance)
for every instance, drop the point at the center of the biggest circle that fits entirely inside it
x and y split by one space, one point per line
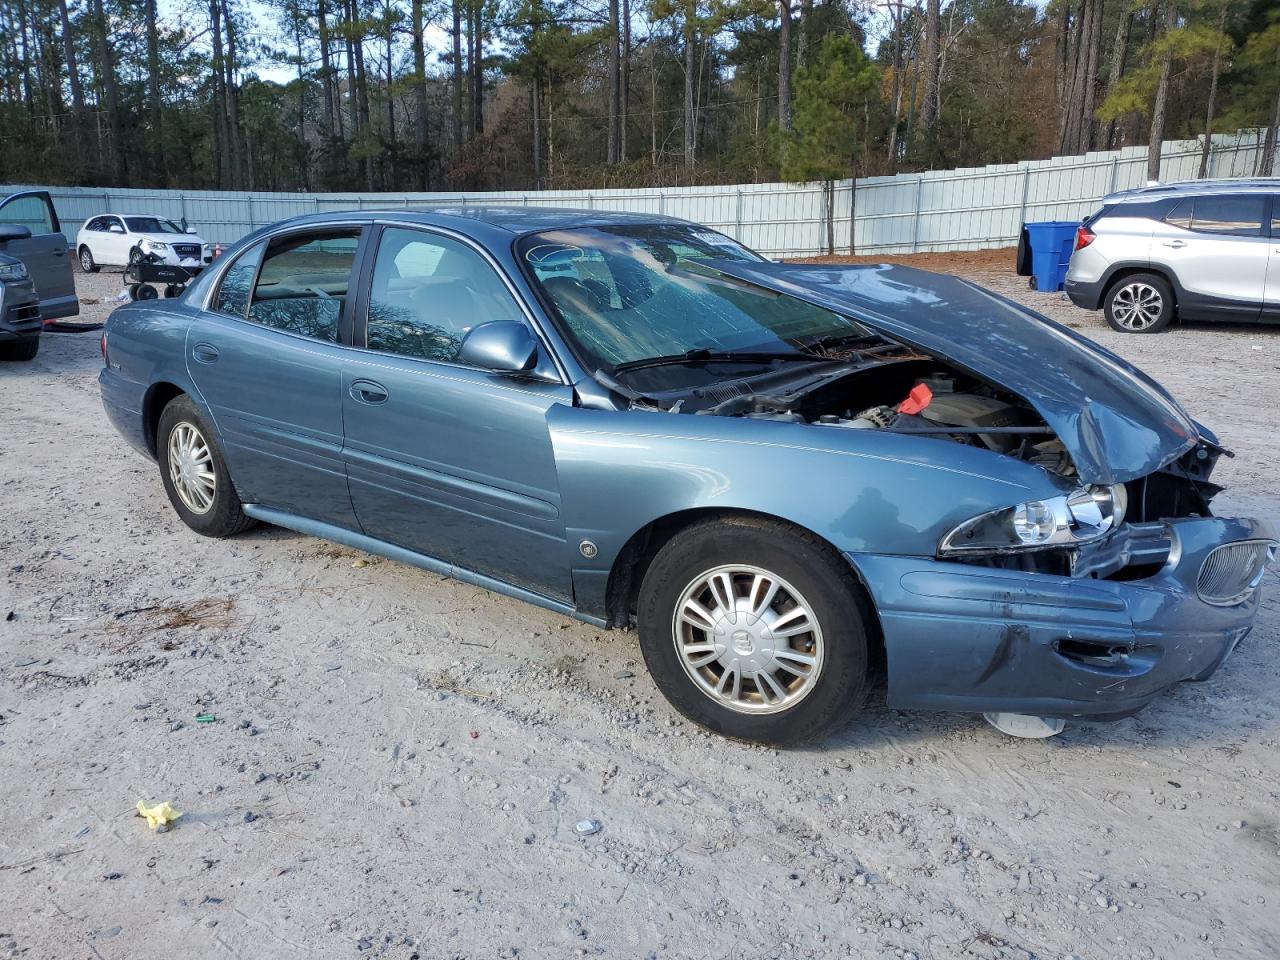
102 345
1084 237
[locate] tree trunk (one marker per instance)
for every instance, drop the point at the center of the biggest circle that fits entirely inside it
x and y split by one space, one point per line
476 39
221 135
1207 147
420 95
895 97
457 77
1267 159
326 71
1162 99
153 93
1119 51
1093 54
81 158
1067 121
613 38
806 33
303 173
362 93
784 64
239 163
626 80
391 179
929 109
690 131
107 64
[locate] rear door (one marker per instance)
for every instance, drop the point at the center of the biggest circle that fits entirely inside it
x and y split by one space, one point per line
267 355
44 253
1217 247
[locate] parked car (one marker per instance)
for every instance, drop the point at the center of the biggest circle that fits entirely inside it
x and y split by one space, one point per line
779 473
20 323
1202 250
30 232
112 240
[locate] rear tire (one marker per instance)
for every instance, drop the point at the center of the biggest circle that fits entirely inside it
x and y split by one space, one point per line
743 676
1139 303
22 350
194 472
87 263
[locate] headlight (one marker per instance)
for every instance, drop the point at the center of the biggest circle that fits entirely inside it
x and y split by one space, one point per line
13 271
1083 515
155 245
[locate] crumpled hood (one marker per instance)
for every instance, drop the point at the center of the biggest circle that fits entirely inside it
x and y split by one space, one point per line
1117 423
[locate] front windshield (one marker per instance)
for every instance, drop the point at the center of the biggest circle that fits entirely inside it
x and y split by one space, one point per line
152 225
627 294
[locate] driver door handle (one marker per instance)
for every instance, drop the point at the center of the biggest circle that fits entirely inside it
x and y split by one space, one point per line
368 391
1176 244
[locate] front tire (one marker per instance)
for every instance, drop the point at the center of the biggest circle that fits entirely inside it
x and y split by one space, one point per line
21 350
194 472
87 263
1140 303
756 630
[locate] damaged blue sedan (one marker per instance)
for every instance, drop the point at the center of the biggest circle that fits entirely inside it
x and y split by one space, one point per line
780 475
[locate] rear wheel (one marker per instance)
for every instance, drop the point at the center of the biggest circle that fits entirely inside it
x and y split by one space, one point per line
1140 303
755 629
194 472
87 263
21 350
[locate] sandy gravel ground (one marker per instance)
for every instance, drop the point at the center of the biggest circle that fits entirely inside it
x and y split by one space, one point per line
398 761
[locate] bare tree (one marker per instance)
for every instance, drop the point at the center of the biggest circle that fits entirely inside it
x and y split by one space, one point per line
1161 107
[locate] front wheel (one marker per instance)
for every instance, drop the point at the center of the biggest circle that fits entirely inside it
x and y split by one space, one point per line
20 350
194 472
756 630
1140 303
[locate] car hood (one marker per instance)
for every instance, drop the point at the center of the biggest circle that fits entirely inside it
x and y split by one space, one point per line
1117 423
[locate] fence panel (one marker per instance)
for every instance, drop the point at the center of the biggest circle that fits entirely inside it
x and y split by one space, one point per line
944 210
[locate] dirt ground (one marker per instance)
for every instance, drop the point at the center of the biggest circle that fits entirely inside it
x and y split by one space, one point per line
397 762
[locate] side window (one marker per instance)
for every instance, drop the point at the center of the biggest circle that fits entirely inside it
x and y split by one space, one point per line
31 212
1180 215
303 284
428 291
233 293
1236 215
1275 216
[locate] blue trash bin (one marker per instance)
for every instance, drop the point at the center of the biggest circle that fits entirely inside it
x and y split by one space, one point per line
1051 244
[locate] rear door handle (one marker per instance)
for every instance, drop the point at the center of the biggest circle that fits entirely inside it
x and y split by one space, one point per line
59 252
368 391
205 352
1176 244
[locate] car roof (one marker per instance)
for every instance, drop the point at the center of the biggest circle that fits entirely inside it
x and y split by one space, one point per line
1155 191
507 219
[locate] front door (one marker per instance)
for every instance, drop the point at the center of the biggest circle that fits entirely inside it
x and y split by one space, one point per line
267 358
444 459
44 253
1217 246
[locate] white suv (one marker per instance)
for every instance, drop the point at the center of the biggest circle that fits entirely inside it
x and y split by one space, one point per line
1201 250
112 240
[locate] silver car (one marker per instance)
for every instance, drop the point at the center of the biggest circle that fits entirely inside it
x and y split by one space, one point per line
1202 250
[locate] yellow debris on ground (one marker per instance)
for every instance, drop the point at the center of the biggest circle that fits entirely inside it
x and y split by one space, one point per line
158 817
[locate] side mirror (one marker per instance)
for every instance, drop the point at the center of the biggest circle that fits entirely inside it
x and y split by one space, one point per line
115 228
505 346
13 231
190 230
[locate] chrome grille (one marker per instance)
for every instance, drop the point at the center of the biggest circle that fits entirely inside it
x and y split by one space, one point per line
187 249
1233 571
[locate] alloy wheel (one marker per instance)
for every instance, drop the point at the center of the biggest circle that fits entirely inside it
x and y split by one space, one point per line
1137 306
191 467
86 260
748 639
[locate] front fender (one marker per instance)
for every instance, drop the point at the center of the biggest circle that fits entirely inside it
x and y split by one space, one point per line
861 490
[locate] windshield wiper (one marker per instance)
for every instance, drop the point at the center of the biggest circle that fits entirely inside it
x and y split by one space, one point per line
702 355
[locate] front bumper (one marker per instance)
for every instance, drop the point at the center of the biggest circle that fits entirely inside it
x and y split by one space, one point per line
19 312
970 638
1084 293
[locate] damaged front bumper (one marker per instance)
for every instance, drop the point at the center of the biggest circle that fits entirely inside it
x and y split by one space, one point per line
984 639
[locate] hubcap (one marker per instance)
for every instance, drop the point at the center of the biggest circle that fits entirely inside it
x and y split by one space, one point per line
1136 306
86 260
748 639
191 467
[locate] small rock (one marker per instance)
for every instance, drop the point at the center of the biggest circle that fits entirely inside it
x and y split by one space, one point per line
585 828
622 674
250 816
